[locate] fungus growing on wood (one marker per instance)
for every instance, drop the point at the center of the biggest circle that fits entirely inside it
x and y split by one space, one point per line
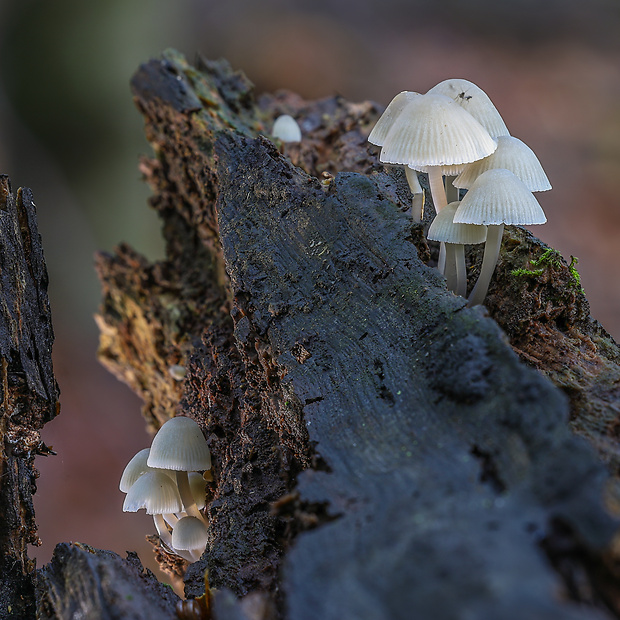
432 132
497 197
286 129
511 154
180 446
455 237
473 99
189 538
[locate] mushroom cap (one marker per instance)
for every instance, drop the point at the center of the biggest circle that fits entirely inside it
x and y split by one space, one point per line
433 130
286 129
476 102
189 533
386 120
154 491
499 197
134 469
511 154
444 229
180 445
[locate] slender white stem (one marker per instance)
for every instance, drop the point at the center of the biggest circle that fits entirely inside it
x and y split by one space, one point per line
441 261
438 191
189 503
417 194
461 274
489 260
162 529
171 519
450 270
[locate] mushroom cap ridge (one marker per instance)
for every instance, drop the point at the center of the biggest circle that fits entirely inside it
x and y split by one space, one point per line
180 445
499 197
433 130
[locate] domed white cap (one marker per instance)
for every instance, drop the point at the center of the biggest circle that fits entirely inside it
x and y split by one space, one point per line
384 124
511 154
189 533
432 130
499 197
287 129
444 229
180 445
476 102
154 491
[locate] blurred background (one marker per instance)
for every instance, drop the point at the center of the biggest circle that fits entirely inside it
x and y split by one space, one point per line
68 130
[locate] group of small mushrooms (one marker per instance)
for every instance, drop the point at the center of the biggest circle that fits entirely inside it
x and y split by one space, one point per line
164 480
455 132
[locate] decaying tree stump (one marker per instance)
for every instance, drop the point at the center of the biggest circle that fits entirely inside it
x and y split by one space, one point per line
379 450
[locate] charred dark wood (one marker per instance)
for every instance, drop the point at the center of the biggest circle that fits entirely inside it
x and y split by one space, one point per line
28 392
82 582
379 449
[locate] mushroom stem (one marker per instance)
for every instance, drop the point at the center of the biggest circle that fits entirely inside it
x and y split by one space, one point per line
438 191
441 261
171 519
489 260
189 503
162 529
450 270
417 194
461 274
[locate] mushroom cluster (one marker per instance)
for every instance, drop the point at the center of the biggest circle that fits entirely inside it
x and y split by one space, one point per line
164 480
456 136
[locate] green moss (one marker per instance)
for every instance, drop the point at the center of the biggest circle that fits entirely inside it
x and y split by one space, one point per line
574 275
532 273
551 258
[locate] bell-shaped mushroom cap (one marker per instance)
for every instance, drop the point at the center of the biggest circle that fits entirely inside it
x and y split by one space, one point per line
180 445
384 124
432 130
511 154
189 533
134 469
444 229
499 197
198 486
154 491
287 129
476 102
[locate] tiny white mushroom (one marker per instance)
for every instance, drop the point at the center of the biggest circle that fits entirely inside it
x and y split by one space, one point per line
455 236
497 197
190 535
511 154
286 129
473 99
179 445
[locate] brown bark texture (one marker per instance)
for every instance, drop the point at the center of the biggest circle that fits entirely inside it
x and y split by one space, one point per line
28 392
379 450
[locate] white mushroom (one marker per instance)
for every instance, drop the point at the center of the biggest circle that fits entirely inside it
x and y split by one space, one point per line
180 446
455 236
497 197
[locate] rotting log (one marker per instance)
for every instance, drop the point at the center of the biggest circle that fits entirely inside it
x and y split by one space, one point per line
379 449
28 392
